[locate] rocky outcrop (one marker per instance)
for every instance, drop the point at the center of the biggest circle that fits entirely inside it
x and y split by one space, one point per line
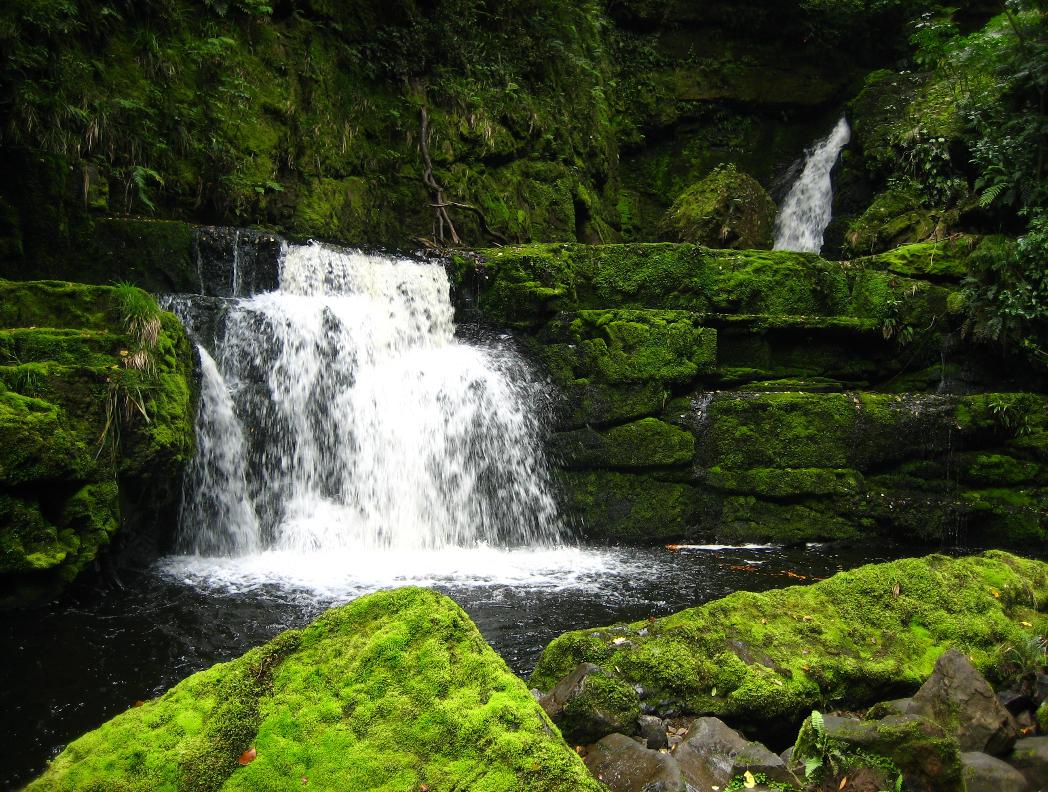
395 690
757 660
96 426
726 209
771 396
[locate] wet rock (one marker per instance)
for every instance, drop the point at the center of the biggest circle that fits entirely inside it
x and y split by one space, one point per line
886 708
1040 688
1015 701
1030 757
236 262
588 704
985 773
958 698
625 766
712 753
653 730
928 757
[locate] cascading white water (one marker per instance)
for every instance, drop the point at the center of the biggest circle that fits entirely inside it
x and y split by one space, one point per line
808 208
341 414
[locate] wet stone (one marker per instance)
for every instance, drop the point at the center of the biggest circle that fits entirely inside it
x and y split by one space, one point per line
625 766
985 773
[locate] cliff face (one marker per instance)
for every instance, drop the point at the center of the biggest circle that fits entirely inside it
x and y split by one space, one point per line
771 396
543 120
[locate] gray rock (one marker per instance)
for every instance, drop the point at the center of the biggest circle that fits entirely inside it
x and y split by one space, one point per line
1040 688
958 698
625 766
1015 701
589 703
712 754
886 708
1030 758
984 773
653 730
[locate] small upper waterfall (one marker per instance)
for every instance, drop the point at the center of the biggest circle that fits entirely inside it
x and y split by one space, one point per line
341 413
807 209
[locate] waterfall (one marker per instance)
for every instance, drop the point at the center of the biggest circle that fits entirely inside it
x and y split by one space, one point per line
341 413
807 209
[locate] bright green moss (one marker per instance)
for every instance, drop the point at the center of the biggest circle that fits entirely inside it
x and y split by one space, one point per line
64 393
843 642
393 691
648 442
785 483
934 260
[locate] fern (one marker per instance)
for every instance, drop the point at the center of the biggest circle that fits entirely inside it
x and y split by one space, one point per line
991 194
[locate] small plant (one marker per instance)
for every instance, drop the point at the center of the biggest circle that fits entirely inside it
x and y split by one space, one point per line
826 759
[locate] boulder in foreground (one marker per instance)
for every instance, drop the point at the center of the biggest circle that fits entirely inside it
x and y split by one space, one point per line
394 691
767 659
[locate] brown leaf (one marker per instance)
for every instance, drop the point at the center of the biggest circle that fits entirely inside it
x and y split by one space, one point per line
139 704
844 783
248 756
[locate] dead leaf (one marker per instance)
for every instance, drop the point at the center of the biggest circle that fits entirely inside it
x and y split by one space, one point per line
1025 624
844 783
247 757
748 780
423 788
139 704
896 590
996 593
672 548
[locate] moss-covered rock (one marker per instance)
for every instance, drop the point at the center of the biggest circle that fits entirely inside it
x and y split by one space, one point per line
646 443
847 641
727 209
91 441
397 690
610 506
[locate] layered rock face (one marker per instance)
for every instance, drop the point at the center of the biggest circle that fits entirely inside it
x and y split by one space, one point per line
96 425
759 395
395 691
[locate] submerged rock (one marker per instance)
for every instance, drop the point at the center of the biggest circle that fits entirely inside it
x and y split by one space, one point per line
770 658
958 698
396 690
626 766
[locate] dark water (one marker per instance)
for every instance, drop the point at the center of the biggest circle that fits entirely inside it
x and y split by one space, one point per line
70 666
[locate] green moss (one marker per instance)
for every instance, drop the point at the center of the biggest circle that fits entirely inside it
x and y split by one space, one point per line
727 209
64 386
641 444
785 483
934 260
621 507
393 691
846 641
604 704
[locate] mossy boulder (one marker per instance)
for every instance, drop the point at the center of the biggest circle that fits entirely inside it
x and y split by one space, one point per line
646 443
90 443
397 690
768 658
727 209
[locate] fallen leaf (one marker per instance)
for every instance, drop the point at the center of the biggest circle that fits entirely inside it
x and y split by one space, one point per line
1025 624
672 548
713 692
619 641
423 788
748 780
844 783
305 780
139 704
247 757
896 590
996 593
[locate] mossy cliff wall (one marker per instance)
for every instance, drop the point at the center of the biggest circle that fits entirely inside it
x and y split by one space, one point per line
755 395
550 120
89 442
395 691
